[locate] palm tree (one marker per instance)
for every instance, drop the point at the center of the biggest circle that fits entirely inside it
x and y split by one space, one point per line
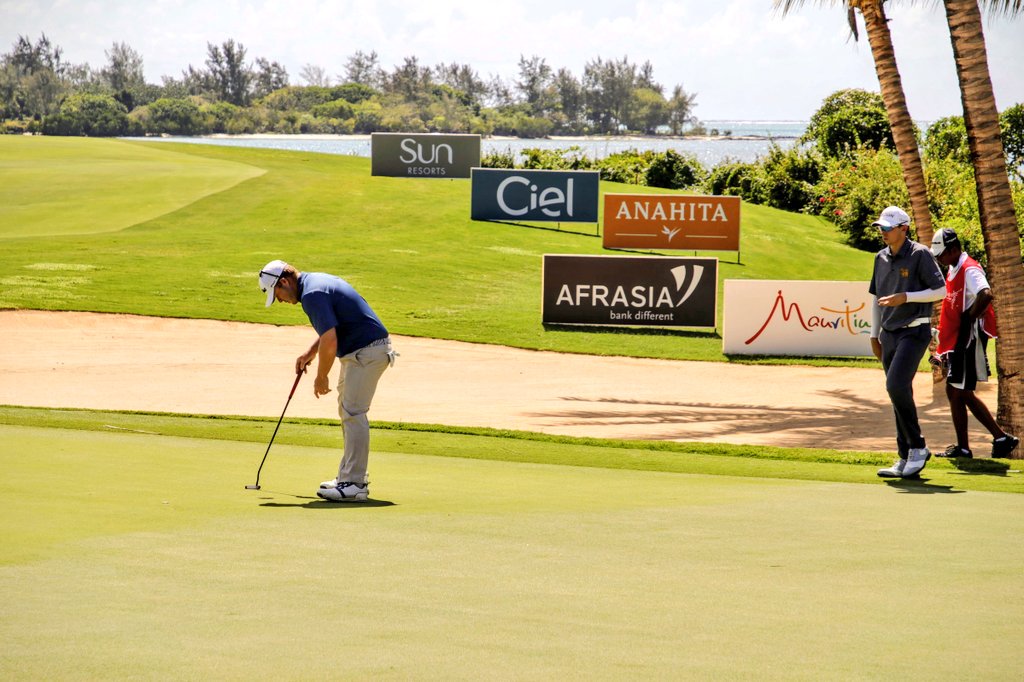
894 99
995 202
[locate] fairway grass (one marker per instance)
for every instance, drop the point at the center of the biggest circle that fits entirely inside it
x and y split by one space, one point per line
75 186
130 555
408 245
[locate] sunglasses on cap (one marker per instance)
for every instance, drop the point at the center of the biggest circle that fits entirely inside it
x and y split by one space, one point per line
277 279
890 228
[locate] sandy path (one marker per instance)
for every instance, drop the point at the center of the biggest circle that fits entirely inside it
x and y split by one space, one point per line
129 362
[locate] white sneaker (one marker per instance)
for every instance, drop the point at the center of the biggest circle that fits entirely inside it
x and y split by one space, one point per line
346 491
915 461
333 483
895 471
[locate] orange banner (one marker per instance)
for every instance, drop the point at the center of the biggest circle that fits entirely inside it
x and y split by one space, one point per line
671 221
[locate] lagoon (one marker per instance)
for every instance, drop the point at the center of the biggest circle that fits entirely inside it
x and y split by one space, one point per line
737 141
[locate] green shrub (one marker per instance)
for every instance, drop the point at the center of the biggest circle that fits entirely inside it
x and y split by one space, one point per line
338 108
675 171
735 178
18 126
1011 123
173 117
570 158
848 120
853 191
953 201
531 127
219 116
298 98
788 177
368 116
90 115
499 159
352 92
947 139
629 166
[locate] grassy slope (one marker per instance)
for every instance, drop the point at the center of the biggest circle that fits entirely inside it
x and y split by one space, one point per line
66 186
408 245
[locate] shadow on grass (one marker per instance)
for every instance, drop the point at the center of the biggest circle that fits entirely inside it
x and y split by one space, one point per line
921 486
980 467
317 503
546 228
850 415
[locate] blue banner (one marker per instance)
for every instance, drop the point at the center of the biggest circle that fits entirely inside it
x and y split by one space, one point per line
534 195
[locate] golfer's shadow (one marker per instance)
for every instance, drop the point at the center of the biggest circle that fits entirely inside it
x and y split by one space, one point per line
317 503
921 486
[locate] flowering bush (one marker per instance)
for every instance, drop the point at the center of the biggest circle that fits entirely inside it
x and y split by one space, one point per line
853 191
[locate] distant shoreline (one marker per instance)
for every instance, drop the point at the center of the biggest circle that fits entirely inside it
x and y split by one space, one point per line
499 138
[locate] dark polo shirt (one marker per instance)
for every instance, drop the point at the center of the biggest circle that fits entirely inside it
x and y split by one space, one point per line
330 301
912 268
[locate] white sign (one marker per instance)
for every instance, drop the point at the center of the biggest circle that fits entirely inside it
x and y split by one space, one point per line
796 317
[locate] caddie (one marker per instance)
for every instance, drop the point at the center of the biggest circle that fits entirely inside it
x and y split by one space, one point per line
966 322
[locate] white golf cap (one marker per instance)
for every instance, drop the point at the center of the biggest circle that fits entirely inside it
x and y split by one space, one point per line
269 276
891 217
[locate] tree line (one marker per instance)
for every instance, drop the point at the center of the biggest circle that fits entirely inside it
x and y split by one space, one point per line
40 91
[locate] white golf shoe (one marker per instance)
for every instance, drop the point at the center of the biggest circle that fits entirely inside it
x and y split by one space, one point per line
916 460
895 471
346 491
333 483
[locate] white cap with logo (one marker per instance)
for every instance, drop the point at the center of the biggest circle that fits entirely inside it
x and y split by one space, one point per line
891 217
269 276
943 239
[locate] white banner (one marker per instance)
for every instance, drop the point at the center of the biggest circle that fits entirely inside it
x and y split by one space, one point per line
796 317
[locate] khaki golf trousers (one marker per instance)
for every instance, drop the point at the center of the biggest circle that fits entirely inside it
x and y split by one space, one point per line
357 382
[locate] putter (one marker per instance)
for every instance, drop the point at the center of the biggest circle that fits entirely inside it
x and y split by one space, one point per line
256 486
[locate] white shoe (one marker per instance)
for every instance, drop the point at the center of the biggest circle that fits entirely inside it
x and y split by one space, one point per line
916 460
333 483
895 471
345 491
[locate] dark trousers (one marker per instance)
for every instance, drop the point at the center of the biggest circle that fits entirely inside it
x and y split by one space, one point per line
902 351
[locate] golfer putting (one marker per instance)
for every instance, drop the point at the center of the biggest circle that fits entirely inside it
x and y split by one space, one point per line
349 330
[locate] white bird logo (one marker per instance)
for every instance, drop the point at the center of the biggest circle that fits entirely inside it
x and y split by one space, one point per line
671 233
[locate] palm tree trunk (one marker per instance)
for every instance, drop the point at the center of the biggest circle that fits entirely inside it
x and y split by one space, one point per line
995 204
900 122
902 126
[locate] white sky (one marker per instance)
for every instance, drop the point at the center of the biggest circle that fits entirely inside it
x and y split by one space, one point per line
742 59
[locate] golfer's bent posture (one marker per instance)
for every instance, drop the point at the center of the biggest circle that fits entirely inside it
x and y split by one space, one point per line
347 329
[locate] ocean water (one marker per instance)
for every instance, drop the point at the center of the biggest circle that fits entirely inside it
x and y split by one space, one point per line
739 141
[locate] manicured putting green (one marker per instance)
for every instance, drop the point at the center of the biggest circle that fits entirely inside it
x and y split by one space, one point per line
131 555
68 186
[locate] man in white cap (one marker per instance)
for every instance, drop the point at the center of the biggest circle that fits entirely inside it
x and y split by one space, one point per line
905 282
966 322
347 329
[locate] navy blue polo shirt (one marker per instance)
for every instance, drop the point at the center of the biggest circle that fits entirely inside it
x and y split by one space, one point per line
330 301
912 268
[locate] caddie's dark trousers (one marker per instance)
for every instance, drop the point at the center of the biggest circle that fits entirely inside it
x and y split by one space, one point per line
902 351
